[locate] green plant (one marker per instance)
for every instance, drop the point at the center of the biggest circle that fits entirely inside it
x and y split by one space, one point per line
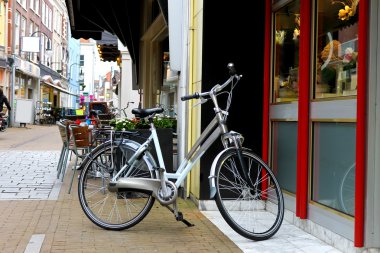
131 124
165 122
123 124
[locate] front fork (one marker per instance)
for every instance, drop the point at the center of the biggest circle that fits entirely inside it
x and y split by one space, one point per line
236 140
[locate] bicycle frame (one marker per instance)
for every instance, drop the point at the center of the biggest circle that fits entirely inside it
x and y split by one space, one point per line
207 138
217 127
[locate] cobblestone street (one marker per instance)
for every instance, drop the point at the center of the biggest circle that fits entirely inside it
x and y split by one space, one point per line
29 175
38 215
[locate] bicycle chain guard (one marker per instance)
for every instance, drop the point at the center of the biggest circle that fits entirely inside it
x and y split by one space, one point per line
146 184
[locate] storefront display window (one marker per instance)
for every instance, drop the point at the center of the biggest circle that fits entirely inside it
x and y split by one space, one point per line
30 88
337 47
45 94
333 183
286 51
284 155
22 86
30 93
17 86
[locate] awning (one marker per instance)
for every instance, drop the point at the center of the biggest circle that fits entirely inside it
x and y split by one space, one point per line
108 47
46 71
47 80
88 19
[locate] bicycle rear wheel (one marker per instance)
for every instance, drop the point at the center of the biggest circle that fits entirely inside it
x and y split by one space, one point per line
113 210
254 209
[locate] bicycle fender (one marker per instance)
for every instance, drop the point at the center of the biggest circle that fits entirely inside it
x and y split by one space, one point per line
213 167
212 172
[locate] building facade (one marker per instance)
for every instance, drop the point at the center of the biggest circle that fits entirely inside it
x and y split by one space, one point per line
313 100
38 52
319 125
4 73
74 71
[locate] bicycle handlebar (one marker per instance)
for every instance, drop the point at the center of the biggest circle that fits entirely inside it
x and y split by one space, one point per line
188 97
216 88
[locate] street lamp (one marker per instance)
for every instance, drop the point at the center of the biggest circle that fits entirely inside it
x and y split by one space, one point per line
81 75
69 74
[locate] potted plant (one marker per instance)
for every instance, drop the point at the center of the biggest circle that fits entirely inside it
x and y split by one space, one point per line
124 124
165 127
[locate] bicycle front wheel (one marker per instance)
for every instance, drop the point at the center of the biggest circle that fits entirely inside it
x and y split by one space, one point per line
113 210
254 208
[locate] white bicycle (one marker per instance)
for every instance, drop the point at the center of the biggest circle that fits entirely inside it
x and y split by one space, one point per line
120 179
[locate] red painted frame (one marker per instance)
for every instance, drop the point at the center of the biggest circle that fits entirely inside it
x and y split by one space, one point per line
266 88
304 108
361 124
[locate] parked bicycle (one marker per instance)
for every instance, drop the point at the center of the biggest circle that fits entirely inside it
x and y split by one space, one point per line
120 113
120 179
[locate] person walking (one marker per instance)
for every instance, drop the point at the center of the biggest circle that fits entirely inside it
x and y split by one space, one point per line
4 100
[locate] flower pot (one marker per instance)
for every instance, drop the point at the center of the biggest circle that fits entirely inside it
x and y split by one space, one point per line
165 136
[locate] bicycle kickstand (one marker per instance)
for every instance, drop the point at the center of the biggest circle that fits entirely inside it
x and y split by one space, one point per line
178 215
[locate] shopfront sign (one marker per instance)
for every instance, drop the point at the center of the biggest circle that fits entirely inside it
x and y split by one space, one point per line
27 67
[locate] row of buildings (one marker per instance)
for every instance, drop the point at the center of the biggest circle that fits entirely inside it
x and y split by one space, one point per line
43 70
310 85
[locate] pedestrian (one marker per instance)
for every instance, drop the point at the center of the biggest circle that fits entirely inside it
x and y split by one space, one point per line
4 100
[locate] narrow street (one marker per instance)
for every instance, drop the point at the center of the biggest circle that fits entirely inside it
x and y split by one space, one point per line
38 215
31 138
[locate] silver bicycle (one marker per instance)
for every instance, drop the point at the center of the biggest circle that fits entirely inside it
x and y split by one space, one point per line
120 179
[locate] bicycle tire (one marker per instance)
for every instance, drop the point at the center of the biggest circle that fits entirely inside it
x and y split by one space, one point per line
113 210
254 212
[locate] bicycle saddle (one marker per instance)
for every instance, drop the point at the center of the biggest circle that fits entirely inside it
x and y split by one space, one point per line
142 113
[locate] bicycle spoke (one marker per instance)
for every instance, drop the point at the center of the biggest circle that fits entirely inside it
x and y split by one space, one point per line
112 210
248 208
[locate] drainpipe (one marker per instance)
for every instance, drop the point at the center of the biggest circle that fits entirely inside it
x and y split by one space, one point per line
13 73
182 117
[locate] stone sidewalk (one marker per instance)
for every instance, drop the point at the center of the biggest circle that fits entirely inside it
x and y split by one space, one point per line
37 214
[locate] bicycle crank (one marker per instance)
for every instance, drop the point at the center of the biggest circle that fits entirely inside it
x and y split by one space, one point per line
147 185
171 193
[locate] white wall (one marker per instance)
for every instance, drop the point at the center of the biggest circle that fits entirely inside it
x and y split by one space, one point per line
126 93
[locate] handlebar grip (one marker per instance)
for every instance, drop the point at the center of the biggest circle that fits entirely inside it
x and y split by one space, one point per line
188 97
231 69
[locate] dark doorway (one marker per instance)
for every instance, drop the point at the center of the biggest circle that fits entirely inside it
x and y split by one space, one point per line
234 32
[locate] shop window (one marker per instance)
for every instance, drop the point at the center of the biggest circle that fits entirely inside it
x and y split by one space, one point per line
333 182
286 50
30 93
336 48
22 86
45 94
17 86
284 154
